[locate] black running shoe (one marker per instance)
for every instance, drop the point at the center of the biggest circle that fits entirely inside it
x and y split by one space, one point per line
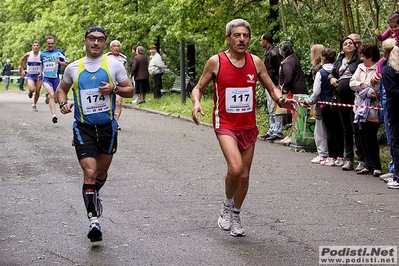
54 119
47 100
30 94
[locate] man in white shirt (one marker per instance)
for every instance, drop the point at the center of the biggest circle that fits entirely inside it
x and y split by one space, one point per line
156 69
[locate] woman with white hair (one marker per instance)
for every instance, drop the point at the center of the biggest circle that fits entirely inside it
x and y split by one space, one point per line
115 47
140 73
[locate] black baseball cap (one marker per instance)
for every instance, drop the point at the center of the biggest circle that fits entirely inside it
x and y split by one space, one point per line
95 28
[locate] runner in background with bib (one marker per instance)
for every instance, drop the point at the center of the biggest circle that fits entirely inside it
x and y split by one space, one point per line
33 69
52 60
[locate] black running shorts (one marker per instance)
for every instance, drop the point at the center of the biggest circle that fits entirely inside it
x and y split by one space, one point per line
89 140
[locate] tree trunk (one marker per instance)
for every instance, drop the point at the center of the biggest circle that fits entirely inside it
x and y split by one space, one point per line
282 17
358 26
345 16
305 28
273 17
350 17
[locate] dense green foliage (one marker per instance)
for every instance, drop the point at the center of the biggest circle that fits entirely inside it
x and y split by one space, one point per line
199 22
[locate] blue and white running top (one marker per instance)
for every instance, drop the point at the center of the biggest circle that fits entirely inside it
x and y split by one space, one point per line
33 64
85 75
51 69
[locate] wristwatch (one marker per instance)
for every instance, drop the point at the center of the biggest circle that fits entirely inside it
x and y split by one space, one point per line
278 101
62 104
115 89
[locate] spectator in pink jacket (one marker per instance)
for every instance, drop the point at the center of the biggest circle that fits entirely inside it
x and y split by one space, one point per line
392 31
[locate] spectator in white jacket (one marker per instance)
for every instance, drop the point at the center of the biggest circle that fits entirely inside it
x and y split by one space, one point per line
156 68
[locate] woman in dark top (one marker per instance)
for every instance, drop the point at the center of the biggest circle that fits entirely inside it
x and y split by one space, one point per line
390 78
290 79
291 73
140 73
344 67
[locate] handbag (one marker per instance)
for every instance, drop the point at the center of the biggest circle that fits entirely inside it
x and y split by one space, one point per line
375 115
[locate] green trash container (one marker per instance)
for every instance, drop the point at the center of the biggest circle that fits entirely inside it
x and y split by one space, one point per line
302 132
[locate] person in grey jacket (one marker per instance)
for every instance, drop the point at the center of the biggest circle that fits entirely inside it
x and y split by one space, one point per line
272 60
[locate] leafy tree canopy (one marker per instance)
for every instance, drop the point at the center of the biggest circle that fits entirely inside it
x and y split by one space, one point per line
199 22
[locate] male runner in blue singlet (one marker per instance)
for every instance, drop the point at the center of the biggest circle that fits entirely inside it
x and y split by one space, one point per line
52 60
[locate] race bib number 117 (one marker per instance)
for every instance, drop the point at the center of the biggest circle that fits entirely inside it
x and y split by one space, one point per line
239 100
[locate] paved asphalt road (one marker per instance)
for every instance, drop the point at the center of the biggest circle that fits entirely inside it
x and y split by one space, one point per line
164 194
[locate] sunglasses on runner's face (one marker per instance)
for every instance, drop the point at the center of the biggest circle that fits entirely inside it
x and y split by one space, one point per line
94 38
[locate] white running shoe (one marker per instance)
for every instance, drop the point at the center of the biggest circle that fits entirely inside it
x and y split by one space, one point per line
224 220
388 180
360 166
339 161
95 233
236 228
317 159
328 161
286 141
386 177
348 166
393 184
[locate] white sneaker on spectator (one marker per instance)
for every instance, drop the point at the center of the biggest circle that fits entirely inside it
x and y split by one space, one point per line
348 166
360 166
328 161
386 177
317 159
393 184
339 161
388 180
286 141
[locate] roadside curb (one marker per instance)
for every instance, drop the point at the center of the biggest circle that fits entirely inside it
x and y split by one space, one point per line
178 116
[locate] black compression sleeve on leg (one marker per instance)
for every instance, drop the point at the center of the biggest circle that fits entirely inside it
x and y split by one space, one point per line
99 185
90 199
